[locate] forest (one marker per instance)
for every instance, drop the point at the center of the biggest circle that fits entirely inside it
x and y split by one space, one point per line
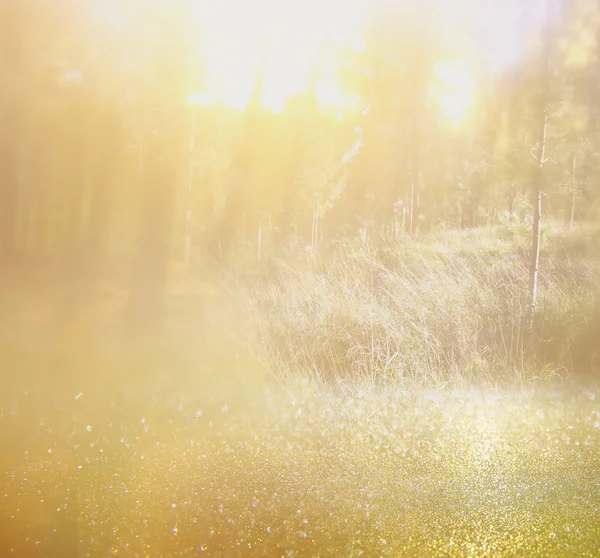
131 135
291 278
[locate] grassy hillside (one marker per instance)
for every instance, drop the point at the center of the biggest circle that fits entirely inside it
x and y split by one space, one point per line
451 308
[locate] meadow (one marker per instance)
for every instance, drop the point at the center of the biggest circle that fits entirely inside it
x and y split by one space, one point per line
378 399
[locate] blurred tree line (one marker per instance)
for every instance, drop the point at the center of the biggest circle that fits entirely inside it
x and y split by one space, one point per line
105 157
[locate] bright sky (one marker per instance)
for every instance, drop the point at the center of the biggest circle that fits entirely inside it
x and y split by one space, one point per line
292 37
504 28
301 33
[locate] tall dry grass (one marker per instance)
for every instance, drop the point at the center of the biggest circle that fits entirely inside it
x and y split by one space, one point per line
451 308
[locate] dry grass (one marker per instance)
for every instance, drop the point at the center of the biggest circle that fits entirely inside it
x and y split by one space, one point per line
452 308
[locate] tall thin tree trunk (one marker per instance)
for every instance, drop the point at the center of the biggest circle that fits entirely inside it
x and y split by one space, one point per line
535 248
539 175
573 199
315 229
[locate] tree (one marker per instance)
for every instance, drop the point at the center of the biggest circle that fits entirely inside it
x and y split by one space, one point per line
538 180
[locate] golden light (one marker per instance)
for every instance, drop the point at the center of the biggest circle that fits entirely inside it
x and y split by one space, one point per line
231 40
329 92
287 38
288 70
580 46
453 88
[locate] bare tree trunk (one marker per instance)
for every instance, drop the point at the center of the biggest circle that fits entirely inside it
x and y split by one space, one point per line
539 175
573 198
535 248
315 229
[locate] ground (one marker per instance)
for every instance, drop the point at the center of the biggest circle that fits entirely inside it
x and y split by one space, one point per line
169 464
380 401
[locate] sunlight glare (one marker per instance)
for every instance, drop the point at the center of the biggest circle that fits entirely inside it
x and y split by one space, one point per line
297 34
453 89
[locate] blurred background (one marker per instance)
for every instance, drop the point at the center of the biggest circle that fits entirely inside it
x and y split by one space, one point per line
144 138
299 278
